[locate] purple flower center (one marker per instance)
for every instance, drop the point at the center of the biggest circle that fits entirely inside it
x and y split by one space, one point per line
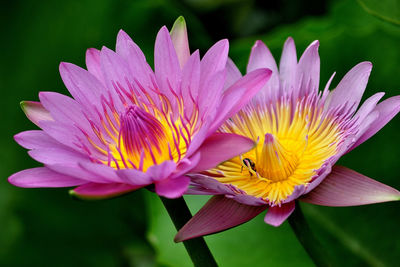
140 131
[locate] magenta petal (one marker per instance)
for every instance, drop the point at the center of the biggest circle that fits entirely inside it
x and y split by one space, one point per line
352 86
220 147
172 187
387 109
134 57
308 69
42 177
277 215
35 139
134 177
288 65
214 60
161 171
252 82
261 57
93 63
94 191
345 187
180 40
233 74
35 112
218 214
166 64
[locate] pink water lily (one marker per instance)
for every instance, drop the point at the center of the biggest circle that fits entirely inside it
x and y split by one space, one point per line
127 127
300 133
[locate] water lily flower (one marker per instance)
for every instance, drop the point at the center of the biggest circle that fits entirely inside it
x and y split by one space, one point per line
300 133
127 127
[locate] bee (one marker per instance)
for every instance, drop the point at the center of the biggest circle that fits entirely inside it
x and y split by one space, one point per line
250 164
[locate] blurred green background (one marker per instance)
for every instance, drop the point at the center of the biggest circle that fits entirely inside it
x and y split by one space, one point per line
45 227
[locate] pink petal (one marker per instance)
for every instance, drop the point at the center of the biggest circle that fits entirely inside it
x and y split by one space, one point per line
35 112
345 187
161 171
288 65
65 109
232 73
261 57
83 86
368 106
190 82
214 60
134 57
172 187
308 69
387 109
102 172
42 177
180 40
93 63
210 99
218 214
252 82
185 165
57 155
220 147
35 139
277 215
94 191
352 86
134 177
117 75
166 63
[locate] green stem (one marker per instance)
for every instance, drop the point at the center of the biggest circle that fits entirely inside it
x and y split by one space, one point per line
197 248
317 253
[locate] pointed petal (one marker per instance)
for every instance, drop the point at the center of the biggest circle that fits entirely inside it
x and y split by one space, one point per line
65 109
277 215
93 63
83 86
42 177
161 171
172 187
95 191
35 139
218 214
35 112
180 40
352 86
261 57
136 60
345 187
288 65
214 60
166 64
387 109
220 147
233 74
134 177
230 104
308 69
190 84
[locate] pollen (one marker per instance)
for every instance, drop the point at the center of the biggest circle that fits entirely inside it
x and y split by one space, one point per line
293 142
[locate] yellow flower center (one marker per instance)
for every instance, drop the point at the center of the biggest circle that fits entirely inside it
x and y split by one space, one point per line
145 134
293 142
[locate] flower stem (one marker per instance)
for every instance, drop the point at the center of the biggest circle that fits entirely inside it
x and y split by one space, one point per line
197 248
317 253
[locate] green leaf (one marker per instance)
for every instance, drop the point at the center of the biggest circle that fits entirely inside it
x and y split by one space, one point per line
387 10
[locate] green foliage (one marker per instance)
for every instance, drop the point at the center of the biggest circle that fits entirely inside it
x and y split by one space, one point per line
45 227
388 10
